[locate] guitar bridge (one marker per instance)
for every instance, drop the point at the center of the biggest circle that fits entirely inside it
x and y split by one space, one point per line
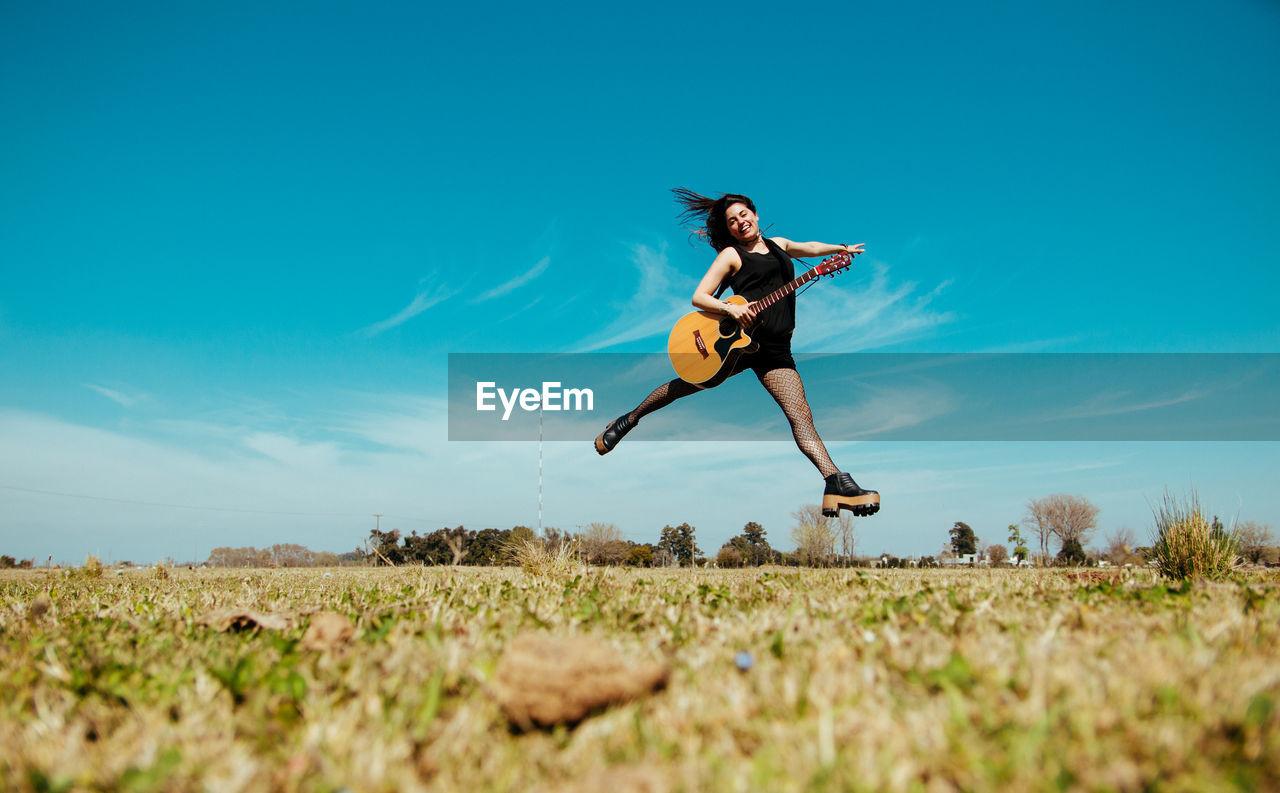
700 344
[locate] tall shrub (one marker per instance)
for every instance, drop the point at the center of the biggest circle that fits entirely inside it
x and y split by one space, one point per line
1186 545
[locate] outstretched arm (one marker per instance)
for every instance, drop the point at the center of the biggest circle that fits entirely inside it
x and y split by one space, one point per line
817 248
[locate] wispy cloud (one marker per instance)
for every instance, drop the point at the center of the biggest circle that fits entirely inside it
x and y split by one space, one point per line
427 297
864 317
517 282
1117 403
293 453
661 292
837 320
119 397
886 410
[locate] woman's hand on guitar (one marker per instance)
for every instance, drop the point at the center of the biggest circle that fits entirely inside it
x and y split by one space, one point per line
744 315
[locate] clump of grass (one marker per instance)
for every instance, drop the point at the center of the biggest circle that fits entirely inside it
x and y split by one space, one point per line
1186 545
92 568
539 559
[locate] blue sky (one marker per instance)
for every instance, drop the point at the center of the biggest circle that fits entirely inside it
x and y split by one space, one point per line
238 244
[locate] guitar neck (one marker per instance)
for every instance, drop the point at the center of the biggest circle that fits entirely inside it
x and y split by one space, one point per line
786 289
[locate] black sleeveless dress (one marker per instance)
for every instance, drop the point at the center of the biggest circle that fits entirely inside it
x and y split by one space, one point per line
760 274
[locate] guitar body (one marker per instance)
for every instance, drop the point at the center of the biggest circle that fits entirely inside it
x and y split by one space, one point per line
704 347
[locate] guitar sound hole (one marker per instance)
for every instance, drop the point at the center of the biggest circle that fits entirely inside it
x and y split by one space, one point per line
728 326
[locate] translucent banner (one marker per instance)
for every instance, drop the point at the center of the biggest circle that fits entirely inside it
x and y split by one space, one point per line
881 396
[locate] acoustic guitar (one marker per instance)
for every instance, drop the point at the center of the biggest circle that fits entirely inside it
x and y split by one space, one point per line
704 347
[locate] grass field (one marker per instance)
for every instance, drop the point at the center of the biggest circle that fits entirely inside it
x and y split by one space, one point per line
857 680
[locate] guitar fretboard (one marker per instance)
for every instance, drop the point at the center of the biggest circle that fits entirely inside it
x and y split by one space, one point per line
806 277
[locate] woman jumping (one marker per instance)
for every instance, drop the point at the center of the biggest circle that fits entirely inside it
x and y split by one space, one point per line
753 266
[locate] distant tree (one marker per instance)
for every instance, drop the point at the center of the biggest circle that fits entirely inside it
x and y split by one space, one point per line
813 535
1019 543
555 538
1217 528
240 557
603 543
846 542
386 547
730 556
220 557
997 554
457 545
1072 553
758 551
427 549
522 534
1063 516
1120 548
351 557
1037 520
280 555
325 559
963 540
7 562
640 555
687 549
290 555
1253 539
487 548
667 544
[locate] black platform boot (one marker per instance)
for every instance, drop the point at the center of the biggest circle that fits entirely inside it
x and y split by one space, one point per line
843 493
613 433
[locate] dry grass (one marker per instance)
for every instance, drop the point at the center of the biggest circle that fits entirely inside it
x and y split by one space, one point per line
539 559
890 680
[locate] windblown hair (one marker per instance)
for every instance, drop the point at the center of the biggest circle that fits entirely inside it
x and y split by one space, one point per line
710 212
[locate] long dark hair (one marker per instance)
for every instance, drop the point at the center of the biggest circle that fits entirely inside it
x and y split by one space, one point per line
710 212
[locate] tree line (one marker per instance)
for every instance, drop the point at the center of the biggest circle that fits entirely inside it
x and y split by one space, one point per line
1061 525
599 543
281 555
820 541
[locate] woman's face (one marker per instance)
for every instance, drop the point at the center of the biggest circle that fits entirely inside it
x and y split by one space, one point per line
743 223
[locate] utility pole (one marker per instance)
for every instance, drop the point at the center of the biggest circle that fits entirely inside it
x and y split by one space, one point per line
539 469
377 522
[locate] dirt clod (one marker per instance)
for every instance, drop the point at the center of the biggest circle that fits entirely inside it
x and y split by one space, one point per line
244 619
542 681
328 631
39 607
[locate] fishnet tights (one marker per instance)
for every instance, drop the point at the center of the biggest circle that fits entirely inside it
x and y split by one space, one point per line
787 390
662 396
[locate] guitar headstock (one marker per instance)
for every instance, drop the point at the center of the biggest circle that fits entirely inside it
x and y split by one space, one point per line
834 264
